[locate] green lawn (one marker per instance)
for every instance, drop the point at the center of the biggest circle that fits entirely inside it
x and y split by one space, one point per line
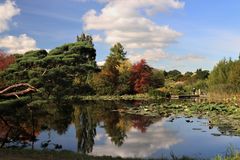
15 154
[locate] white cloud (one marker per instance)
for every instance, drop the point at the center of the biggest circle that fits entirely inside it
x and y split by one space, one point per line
101 63
97 38
189 57
48 50
13 44
7 11
126 23
149 55
20 44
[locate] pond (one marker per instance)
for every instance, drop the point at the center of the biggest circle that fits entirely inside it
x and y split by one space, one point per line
103 128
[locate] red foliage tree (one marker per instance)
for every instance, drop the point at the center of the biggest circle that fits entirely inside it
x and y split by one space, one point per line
5 60
141 122
140 76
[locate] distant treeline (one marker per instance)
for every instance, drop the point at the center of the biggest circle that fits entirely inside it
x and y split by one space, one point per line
71 69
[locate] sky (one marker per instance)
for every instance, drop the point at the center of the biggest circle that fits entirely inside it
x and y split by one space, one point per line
168 34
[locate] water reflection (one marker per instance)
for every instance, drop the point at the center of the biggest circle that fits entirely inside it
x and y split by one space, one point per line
21 125
100 128
123 135
85 125
90 115
138 144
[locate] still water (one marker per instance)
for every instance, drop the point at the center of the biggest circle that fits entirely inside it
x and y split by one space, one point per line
101 128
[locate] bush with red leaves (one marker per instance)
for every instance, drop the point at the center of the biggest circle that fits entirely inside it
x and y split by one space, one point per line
5 60
140 76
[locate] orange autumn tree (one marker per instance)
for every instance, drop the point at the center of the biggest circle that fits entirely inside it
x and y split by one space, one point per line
140 76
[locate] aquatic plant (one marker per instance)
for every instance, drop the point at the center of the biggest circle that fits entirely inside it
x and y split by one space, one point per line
225 116
231 154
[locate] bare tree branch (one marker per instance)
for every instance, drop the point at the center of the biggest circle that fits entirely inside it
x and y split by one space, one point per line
30 89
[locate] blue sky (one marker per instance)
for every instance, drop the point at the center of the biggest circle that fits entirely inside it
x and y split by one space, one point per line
190 34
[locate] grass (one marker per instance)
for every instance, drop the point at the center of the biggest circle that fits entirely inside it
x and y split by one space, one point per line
26 154
16 154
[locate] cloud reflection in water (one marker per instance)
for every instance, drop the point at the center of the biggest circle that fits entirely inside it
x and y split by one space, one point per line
137 144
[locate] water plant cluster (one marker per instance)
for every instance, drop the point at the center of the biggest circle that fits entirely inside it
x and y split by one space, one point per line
225 116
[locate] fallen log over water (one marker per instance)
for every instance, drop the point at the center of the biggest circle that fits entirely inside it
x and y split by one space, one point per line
30 89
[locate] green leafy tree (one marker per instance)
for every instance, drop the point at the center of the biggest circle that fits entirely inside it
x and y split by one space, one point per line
85 38
73 63
124 86
27 67
220 73
56 83
118 52
202 74
225 77
174 75
234 76
107 81
157 78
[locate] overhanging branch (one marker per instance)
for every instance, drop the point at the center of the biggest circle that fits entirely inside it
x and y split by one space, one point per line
30 89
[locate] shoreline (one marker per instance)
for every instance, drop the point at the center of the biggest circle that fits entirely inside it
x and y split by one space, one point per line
27 154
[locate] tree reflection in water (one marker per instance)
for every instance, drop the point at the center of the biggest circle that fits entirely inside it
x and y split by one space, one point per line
85 128
17 126
21 126
89 115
